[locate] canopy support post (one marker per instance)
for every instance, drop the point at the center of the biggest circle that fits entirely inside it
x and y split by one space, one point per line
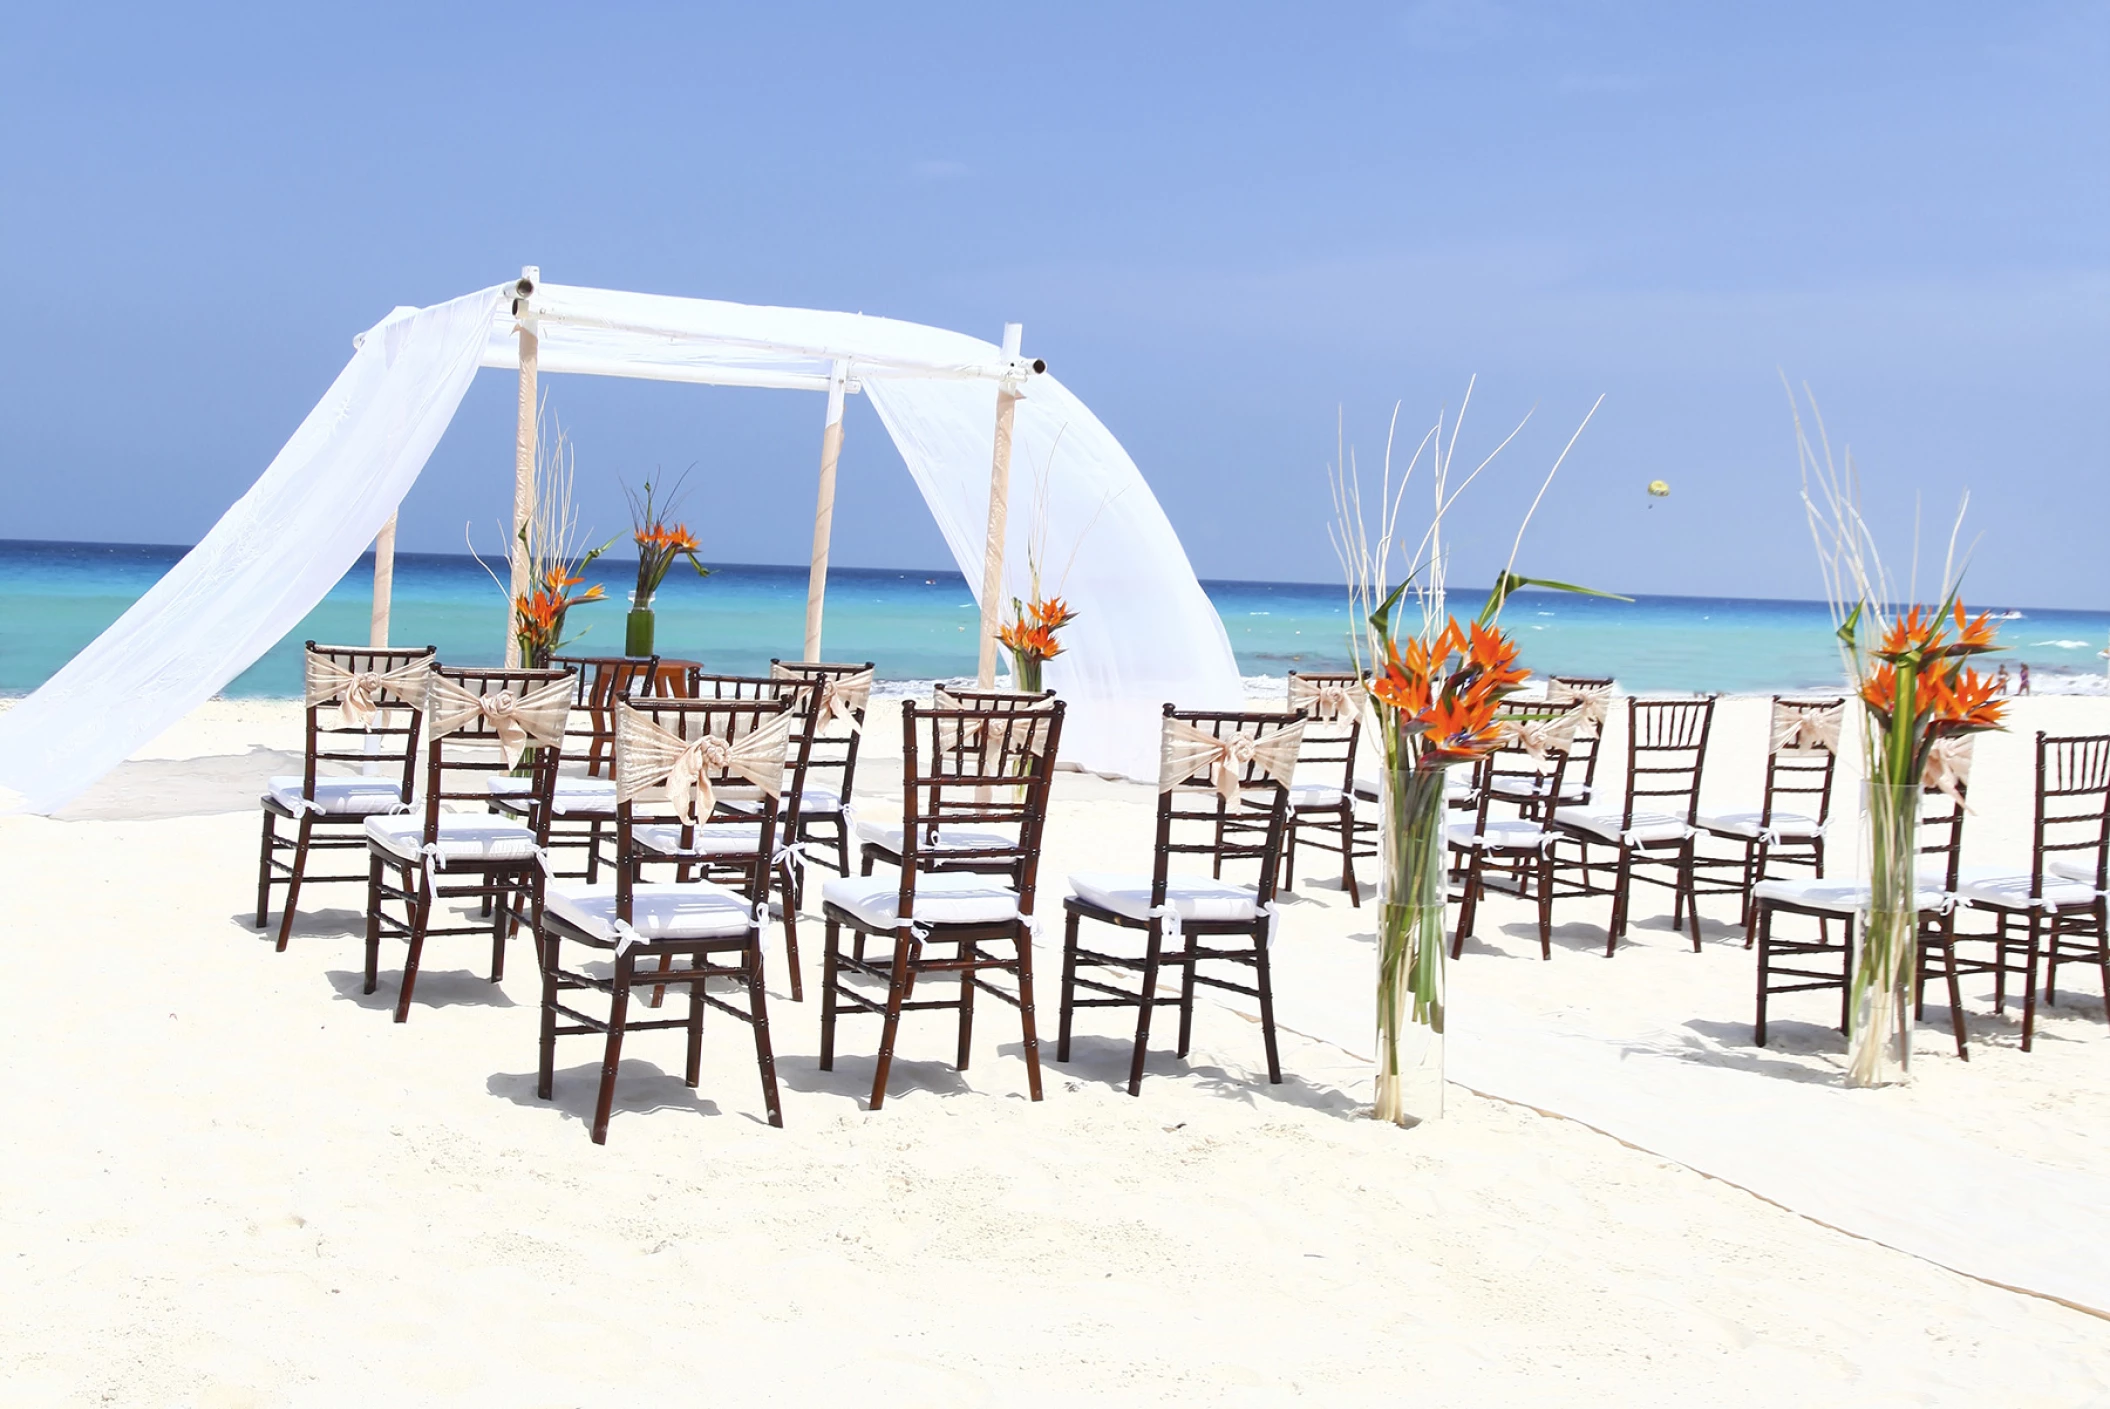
384 582
523 459
824 508
999 495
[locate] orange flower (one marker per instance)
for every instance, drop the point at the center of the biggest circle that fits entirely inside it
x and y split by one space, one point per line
1880 689
1964 702
1054 613
1973 634
1494 657
1404 692
1916 633
1029 640
1461 726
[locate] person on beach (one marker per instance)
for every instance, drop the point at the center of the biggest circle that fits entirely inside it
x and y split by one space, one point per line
2022 670
2000 682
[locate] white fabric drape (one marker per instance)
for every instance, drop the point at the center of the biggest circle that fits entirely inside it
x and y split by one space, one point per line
264 565
1145 632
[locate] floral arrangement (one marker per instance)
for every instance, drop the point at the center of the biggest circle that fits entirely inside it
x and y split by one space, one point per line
1435 697
538 616
1919 694
659 543
1030 637
547 555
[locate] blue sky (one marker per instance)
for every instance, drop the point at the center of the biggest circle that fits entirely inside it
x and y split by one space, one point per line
1224 226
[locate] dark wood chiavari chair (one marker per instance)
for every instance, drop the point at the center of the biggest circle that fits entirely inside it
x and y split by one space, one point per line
417 860
718 848
1802 755
985 767
1536 735
682 933
882 841
1591 695
1655 826
1322 812
2054 912
583 804
1186 921
831 766
371 695
1813 965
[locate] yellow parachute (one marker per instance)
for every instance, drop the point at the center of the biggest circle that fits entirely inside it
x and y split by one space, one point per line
1658 489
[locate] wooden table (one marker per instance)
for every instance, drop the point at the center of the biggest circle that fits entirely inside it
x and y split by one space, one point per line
671 679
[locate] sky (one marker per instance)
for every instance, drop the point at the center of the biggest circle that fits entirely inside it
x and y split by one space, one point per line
1243 234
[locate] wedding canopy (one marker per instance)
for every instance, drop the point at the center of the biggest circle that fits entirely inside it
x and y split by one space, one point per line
970 418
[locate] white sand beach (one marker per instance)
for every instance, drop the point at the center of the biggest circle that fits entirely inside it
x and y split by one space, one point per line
232 1180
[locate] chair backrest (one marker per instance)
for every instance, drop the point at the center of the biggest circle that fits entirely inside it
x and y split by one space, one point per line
1593 694
1666 748
984 764
800 694
846 691
2073 804
1537 737
1802 756
483 723
1332 701
602 681
1192 809
373 692
750 780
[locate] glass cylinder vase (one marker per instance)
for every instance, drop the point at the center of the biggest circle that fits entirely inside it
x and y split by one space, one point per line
637 633
1410 944
1886 955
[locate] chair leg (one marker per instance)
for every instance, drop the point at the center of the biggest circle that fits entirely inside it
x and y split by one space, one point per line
1616 926
1289 854
1546 905
618 1014
791 930
420 919
1948 945
831 939
758 1010
1028 1023
263 871
970 951
1469 907
1068 997
1151 947
1765 958
2051 958
501 926
300 869
373 922
1355 896
897 990
2102 950
842 846
593 852
2029 983
1689 882
692 1069
546 1068
1264 980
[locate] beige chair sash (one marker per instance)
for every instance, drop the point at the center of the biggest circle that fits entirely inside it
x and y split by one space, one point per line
1539 737
1948 768
1325 699
1185 751
539 716
1022 730
1807 728
841 697
1593 702
359 694
647 754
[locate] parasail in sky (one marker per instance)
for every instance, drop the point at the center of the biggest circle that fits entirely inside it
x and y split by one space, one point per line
1658 489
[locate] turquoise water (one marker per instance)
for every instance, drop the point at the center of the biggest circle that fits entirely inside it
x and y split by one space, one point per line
921 625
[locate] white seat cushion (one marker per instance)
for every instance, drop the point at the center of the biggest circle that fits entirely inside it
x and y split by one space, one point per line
1836 897
2073 870
1500 834
949 838
2011 890
572 795
688 910
815 800
1647 827
340 797
712 839
1315 795
463 836
1746 824
947 898
1190 897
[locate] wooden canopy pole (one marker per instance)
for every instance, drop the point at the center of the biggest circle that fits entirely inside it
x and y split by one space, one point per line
384 581
999 496
824 508
523 455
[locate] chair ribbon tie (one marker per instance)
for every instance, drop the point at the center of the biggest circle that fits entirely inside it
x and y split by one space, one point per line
1185 752
626 938
1593 702
1804 728
1539 737
1168 918
1323 699
539 716
360 695
1274 921
1948 769
647 755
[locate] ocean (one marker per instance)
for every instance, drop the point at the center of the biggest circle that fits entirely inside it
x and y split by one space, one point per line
921 625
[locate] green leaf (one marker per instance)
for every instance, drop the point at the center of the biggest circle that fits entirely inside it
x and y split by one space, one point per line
1509 582
1382 617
